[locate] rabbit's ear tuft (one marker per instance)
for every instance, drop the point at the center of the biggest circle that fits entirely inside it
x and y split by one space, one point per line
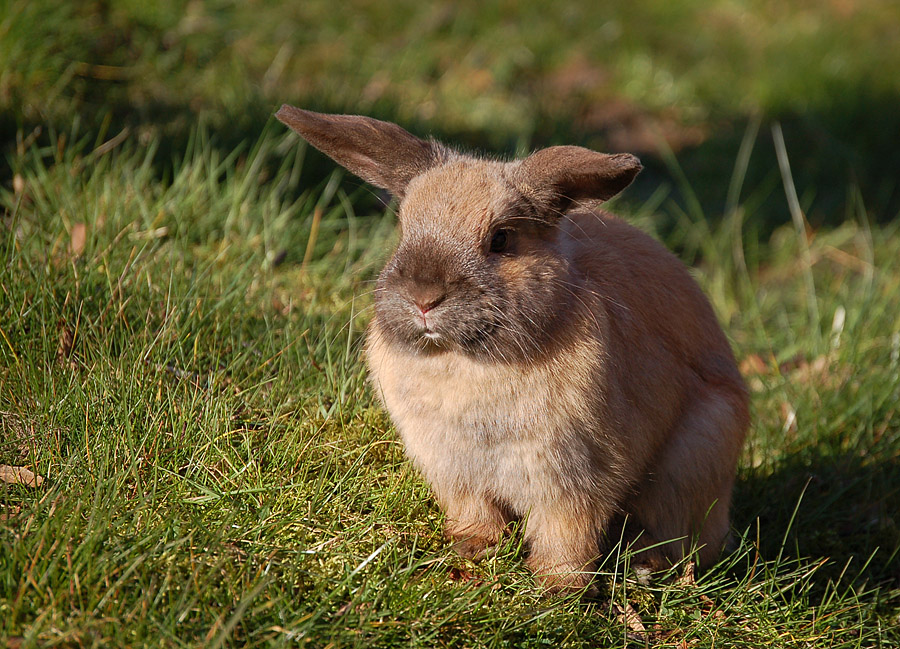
566 176
379 152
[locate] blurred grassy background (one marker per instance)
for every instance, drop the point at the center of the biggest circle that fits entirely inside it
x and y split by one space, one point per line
641 76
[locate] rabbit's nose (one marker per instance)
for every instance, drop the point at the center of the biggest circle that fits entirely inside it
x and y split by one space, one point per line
426 297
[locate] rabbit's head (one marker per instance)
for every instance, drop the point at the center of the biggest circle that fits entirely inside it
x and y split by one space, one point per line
481 266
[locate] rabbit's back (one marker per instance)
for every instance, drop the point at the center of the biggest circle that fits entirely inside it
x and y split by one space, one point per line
648 294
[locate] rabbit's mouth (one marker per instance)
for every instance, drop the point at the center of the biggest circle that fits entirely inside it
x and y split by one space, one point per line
433 342
431 338
426 323
437 335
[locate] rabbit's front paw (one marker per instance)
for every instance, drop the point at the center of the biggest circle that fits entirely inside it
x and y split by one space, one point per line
565 578
474 547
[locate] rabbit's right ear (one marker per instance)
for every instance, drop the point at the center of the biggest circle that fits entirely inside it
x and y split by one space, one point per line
565 176
379 152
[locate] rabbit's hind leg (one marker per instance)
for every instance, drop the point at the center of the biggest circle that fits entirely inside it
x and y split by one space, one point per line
683 503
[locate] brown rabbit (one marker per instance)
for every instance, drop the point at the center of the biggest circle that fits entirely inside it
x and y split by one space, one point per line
543 361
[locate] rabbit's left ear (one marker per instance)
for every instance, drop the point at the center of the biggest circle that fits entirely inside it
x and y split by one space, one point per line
563 176
379 152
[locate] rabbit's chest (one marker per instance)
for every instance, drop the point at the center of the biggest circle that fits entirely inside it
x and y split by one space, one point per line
487 426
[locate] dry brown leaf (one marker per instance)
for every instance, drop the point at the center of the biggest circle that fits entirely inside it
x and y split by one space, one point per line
458 574
752 368
821 371
805 371
346 607
687 576
20 475
753 365
791 364
66 343
79 236
632 620
10 512
659 635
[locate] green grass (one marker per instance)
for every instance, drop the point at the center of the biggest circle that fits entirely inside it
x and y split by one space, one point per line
184 291
218 471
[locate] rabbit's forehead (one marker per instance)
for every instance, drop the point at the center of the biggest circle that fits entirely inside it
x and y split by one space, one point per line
466 193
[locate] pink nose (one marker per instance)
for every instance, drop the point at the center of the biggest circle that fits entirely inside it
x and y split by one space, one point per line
426 306
426 297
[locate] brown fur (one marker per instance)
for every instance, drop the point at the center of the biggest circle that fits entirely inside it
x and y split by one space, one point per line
570 372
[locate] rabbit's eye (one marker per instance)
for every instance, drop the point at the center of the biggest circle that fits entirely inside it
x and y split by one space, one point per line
500 241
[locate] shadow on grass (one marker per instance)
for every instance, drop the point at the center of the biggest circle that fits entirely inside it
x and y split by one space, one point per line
834 152
831 159
843 508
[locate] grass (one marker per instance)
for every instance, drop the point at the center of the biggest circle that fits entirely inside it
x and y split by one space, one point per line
219 473
182 306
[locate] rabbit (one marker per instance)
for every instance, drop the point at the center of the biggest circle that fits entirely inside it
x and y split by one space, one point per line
542 360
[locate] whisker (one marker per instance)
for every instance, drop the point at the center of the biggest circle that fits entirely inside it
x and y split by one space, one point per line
512 330
600 296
